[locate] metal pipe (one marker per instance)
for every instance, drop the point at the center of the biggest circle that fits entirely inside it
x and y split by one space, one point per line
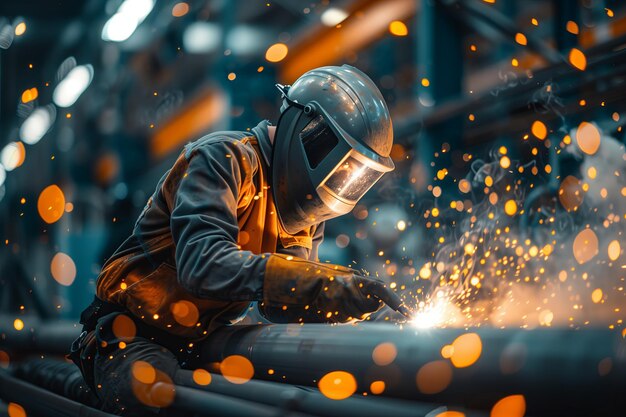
53 337
559 371
309 400
40 402
208 403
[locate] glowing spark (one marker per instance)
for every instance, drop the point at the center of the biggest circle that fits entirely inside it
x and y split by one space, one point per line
439 312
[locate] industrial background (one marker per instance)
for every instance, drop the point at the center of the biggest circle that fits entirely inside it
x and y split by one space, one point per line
503 221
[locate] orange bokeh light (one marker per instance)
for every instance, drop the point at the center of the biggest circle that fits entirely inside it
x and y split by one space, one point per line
578 59
237 369
337 385
63 269
384 354
185 313
466 350
614 250
16 410
539 129
398 28
51 204
276 52
180 9
585 246
143 372
18 324
123 327
434 377
30 95
511 406
571 193
572 27
588 138
201 377
377 387
510 207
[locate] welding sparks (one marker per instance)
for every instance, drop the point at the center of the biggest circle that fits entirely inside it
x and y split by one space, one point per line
503 259
439 312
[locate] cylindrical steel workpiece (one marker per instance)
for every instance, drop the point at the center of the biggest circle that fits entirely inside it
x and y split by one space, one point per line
558 371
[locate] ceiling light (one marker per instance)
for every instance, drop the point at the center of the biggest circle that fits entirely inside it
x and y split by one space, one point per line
72 86
333 16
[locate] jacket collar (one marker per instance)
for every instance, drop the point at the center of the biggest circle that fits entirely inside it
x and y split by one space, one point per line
262 135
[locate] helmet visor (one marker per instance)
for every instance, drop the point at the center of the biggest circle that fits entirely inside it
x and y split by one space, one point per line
351 179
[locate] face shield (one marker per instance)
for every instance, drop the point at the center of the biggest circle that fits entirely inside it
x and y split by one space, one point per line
351 173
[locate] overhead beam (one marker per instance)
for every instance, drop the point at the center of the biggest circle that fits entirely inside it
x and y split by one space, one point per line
368 20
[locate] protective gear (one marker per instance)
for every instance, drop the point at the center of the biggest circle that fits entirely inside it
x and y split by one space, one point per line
333 141
216 200
330 292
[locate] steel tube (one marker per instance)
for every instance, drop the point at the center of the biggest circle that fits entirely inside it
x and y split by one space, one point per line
40 402
310 400
557 370
53 336
211 404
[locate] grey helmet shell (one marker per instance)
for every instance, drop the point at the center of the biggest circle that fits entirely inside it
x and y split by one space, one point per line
352 105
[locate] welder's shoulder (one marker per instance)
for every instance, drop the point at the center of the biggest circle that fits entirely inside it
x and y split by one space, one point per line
227 147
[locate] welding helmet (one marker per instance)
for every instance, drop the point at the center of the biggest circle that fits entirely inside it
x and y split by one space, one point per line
332 143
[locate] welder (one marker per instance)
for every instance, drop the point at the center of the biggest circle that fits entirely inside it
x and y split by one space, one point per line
238 219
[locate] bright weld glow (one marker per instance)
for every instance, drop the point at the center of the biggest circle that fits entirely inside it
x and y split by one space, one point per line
333 16
72 86
128 17
37 125
438 312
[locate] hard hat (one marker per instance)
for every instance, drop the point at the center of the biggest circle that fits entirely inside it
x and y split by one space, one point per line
332 143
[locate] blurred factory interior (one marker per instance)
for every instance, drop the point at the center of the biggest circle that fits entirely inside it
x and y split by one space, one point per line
506 209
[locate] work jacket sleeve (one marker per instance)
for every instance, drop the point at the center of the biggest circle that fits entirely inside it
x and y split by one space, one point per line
205 228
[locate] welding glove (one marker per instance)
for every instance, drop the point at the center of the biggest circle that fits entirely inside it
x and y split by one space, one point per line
332 293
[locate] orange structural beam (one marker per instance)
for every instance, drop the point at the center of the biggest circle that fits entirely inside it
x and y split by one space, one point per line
188 123
600 33
367 21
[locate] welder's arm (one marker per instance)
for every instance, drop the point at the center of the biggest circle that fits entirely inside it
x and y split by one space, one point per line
203 205
321 292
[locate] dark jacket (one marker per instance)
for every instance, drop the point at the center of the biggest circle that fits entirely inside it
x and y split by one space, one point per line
198 252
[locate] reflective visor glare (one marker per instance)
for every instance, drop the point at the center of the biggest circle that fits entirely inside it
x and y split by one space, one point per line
318 140
352 179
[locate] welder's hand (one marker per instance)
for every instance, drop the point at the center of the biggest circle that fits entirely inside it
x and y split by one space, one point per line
345 296
375 287
334 293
